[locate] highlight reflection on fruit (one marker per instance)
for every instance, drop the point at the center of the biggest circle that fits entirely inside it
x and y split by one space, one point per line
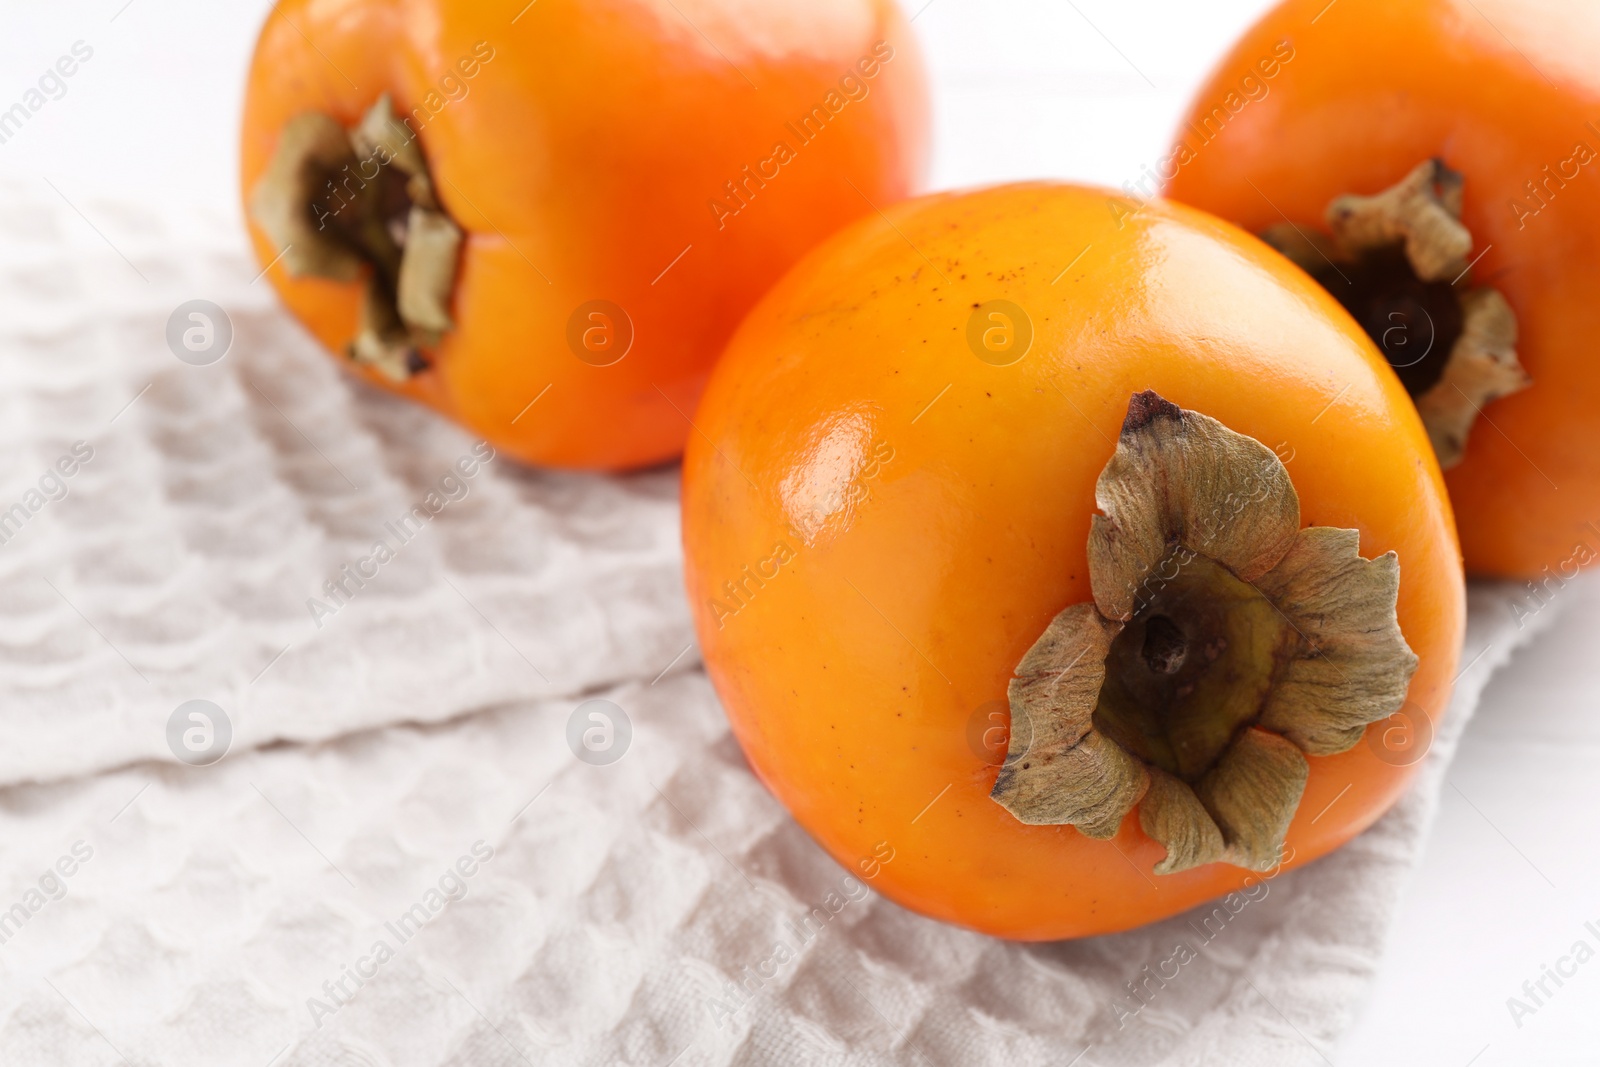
546 227
1130 465
1426 161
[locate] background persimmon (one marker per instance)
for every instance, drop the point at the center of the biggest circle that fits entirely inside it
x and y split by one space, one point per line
889 504
631 173
1319 101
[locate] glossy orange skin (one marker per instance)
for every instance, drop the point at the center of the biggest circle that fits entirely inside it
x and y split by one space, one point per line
582 160
1377 86
929 546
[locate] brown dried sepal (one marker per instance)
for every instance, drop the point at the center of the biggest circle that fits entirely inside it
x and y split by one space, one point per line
1422 214
1063 770
1421 211
311 147
339 201
1166 461
1328 660
1252 794
1350 665
1483 367
1172 814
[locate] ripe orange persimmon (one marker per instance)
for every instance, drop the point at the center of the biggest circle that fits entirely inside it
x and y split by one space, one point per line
1501 100
892 507
574 203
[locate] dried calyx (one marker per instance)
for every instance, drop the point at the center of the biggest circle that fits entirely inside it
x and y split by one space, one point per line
1398 262
339 202
1223 646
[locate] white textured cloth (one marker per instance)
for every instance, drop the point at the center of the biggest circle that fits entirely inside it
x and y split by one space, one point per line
185 557
531 907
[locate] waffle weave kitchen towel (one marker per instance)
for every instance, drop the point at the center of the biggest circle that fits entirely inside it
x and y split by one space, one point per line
400 860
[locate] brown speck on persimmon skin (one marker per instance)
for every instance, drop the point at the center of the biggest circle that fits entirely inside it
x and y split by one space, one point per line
949 583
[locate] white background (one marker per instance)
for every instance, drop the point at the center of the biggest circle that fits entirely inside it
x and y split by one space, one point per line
1088 91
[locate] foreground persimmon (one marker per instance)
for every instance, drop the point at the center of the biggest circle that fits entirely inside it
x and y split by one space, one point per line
546 223
1141 492
1427 161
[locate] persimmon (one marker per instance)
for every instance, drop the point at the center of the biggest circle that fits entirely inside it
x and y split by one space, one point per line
1061 550
1427 161
546 222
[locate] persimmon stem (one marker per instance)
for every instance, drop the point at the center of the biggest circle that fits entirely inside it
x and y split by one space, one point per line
346 203
1192 669
1189 687
1398 262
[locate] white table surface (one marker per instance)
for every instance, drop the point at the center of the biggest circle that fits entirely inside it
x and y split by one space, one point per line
1087 90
